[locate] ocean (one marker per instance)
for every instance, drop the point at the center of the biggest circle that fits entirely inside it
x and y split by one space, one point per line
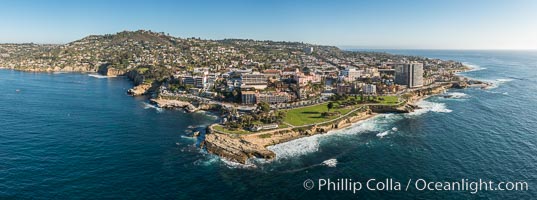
79 136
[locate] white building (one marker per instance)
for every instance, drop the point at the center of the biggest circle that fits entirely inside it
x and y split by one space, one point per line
351 74
254 80
370 89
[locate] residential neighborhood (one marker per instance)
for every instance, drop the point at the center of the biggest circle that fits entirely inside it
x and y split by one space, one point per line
236 75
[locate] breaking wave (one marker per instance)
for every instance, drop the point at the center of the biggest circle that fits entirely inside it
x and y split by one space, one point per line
233 165
473 67
374 124
189 138
382 124
207 160
387 132
306 145
503 80
382 134
97 76
330 162
427 106
496 83
298 147
149 106
457 95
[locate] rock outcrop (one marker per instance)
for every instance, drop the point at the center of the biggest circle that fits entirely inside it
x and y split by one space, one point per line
235 149
139 90
107 70
169 103
240 148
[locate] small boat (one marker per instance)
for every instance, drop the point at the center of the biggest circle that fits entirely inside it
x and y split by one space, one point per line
17 90
447 95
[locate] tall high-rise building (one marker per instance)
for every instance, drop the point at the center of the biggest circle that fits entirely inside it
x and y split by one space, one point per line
409 74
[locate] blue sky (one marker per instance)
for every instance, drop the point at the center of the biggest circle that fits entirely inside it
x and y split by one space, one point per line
411 24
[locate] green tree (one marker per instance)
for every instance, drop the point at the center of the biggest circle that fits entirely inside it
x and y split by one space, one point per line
264 107
330 106
407 96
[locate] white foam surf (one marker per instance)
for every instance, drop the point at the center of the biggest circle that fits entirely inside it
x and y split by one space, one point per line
373 124
427 106
97 76
231 164
496 83
330 162
457 95
151 106
503 80
473 67
382 134
387 132
207 160
382 124
189 138
307 145
211 159
298 147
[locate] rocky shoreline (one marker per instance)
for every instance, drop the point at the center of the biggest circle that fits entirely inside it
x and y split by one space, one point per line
170 103
242 148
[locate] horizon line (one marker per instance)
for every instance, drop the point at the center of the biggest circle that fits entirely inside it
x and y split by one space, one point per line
340 46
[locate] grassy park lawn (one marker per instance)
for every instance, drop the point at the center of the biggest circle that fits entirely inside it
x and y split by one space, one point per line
225 130
241 131
312 114
389 100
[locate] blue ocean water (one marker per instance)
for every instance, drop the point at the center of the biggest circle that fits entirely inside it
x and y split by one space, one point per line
74 136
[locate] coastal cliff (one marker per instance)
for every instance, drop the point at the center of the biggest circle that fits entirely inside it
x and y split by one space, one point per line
142 86
107 70
235 149
241 148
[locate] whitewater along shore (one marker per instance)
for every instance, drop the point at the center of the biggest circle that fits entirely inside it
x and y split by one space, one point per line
243 147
